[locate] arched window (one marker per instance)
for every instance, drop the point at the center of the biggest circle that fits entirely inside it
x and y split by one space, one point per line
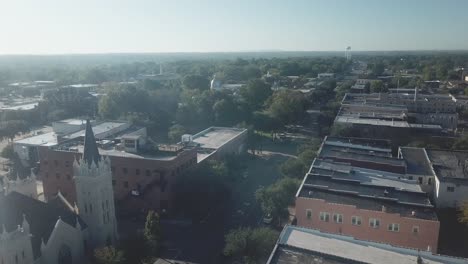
64 255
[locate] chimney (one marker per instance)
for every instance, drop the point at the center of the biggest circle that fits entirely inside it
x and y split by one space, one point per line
384 209
413 213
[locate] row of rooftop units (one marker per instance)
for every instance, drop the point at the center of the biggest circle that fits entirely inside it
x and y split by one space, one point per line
144 172
406 111
357 191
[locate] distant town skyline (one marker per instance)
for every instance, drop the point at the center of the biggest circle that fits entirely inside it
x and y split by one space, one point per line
147 26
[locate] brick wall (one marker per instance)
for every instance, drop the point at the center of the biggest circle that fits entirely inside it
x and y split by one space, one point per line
56 171
427 236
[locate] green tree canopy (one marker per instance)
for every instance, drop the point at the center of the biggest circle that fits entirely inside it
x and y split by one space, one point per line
175 132
255 93
250 245
108 255
152 233
195 81
276 198
287 106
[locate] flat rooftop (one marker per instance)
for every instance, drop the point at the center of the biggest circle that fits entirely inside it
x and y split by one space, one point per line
449 164
368 144
215 137
303 245
417 162
73 121
394 98
340 170
50 139
368 189
28 106
100 130
365 201
46 139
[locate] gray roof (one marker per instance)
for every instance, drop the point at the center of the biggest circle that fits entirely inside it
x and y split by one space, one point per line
341 170
41 217
303 245
363 201
416 161
449 164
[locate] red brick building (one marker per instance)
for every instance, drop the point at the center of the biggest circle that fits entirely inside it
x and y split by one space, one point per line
367 212
141 181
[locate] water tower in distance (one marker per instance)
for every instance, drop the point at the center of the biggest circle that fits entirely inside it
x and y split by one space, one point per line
348 53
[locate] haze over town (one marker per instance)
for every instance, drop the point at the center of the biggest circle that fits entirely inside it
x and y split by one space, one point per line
193 132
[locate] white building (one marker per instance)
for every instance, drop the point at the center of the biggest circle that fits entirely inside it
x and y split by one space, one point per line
27 186
34 232
451 181
95 194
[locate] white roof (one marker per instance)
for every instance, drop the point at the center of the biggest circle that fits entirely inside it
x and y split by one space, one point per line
357 250
47 139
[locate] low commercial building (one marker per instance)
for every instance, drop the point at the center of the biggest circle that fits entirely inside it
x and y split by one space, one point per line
362 152
303 245
68 129
326 75
367 204
442 173
451 177
143 175
403 111
215 142
418 167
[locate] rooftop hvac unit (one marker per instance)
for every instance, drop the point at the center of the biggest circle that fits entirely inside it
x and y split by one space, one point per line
187 138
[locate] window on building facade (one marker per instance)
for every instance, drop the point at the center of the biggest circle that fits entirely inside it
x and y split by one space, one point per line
374 222
420 180
148 173
68 177
56 163
338 218
324 216
126 184
125 170
137 171
356 220
57 175
415 230
67 163
394 227
112 168
309 214
86 208
90 208
450 189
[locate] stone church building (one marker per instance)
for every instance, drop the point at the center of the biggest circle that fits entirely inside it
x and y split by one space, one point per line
34 232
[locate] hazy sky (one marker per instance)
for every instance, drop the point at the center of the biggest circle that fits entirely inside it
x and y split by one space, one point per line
96 26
